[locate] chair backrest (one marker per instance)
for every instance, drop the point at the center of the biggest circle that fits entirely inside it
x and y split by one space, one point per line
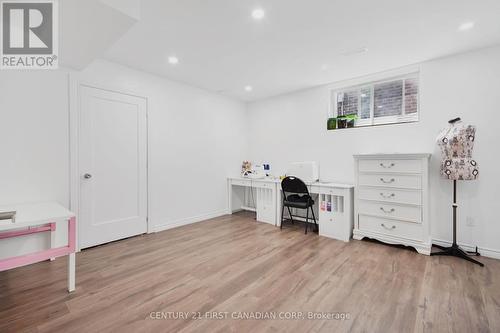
293 185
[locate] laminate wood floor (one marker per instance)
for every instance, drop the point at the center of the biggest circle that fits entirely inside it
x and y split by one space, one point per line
233 266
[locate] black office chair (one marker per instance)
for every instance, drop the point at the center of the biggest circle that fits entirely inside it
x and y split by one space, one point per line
296 195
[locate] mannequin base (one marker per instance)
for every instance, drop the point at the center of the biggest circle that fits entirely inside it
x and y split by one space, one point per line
456 251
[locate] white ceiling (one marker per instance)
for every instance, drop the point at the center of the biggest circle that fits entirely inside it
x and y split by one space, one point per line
81 42
299 43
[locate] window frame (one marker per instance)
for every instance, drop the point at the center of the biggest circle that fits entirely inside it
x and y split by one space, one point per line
385 120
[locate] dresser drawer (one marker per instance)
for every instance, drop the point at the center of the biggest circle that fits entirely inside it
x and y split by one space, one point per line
391 180
387 165
412 197
390 227
389 210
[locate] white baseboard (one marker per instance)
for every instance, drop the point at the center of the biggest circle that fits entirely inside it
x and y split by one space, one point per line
485 252
187 220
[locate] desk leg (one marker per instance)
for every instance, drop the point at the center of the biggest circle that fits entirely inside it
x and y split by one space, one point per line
278 207
71 255
71 272
229 197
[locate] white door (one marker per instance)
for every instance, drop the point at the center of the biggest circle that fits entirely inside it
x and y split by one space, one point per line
112 166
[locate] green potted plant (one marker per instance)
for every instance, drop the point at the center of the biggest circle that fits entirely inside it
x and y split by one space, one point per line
341 122
351 120
331 123
347 121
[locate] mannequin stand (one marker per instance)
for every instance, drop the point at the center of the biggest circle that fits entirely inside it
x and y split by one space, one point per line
454 250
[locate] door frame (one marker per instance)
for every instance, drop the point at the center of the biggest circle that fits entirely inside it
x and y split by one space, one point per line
75 84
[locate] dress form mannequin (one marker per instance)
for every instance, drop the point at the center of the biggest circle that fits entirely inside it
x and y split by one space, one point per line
457 142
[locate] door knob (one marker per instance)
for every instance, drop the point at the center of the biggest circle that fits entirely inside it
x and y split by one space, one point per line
87 176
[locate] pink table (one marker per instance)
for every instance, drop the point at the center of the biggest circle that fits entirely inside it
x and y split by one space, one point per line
37 218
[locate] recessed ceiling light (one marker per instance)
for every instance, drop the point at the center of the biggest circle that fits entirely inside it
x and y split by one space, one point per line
173 60
466 26
248 88
258 14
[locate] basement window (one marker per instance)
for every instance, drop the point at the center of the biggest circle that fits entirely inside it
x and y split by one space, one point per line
390 101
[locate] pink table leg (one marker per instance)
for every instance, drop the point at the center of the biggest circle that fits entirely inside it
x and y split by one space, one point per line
31 258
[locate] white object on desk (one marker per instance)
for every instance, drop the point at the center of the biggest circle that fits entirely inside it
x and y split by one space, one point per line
392 199
36 218
336 223
307 171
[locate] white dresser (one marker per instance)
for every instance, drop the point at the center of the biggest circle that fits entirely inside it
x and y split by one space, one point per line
392 199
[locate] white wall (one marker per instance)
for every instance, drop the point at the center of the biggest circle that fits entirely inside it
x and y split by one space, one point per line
34 145
293 128
198 138
195 140
33 136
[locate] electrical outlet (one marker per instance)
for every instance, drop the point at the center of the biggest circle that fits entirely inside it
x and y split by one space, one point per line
469 221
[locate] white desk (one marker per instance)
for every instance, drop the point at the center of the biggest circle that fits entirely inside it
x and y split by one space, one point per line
257 195
333 208
36 218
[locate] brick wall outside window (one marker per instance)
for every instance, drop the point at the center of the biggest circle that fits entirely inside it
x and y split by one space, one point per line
366 100
411 96
350 102
388 99
376 103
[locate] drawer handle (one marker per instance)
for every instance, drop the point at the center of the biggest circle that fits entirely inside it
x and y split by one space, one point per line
387 166
387 211
386 227
392 180
387 196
